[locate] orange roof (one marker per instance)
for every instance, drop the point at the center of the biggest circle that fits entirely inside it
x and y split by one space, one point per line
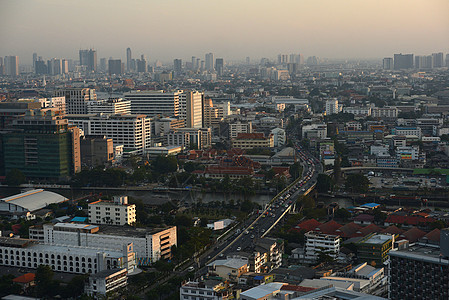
251 136
371 228
348 230
25 278
308 225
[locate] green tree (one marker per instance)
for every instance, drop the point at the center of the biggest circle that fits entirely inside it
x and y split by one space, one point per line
165 164
295 170
15 177
357 183
44 280
324 183
342 214
337 169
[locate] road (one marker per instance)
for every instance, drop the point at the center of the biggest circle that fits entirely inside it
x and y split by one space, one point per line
258 226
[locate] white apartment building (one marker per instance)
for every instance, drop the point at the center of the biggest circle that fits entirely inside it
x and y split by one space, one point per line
51 102
358 111
110 106
107 281
332 107
191 108
416 131
153 103
186 137
407 153
77 99
317 243
239 127
25 253
150 245
384 112
131 131
116 212
380 150
279 137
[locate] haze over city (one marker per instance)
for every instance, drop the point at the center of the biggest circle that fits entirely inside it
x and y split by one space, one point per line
231 29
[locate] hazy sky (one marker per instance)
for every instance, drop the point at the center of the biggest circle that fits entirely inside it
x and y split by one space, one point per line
233 29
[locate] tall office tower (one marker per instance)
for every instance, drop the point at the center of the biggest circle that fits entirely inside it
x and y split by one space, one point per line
177 66
115 67
282 59
191 108
141 65
34 61
194 63
447 60
438 60
40 67
313 61
403 61
424 62
128 59
219 66
42 145
77 99
387 63
248 60
201 64
209 62
103 66
11 64
1 66
88 58
153 103
65 66
54 66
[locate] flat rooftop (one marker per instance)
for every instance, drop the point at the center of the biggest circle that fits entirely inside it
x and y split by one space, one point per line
377 239
421 252
129 231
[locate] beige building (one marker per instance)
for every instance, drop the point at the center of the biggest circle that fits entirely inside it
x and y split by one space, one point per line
229 269
253 140
191 109
117 212
77 99
96 150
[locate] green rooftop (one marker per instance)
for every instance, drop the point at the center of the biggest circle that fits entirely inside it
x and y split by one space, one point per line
430 171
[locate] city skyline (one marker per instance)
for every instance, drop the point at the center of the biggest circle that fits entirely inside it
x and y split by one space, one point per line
233 30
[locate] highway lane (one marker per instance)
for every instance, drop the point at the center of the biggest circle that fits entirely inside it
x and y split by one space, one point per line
256 226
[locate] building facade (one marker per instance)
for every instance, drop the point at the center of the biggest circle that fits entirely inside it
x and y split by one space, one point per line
317 243
110 106
153 103
77 99
116 212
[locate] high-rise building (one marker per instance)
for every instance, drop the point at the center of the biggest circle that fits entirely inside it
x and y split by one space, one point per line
438 60
88 58
40 67
387 63
219 66
65 66
420 271
128 59
142 64
191 108
282 59
54 66
153 103
111 106
424 62
77 99
209 62
103 66
42 145
248 60
177 66
131 131
403 61
115 67
447 60
34 60
11 64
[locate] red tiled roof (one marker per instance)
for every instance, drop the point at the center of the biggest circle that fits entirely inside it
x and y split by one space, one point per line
349 230
25 278
433 236
392 229
371 228
308 225
329 227
413 234
410 220
364 217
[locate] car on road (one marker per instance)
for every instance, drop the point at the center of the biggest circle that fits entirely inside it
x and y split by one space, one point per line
239 248
190 269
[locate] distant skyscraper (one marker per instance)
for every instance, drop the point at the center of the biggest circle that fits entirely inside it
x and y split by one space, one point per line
177 66
11 65
423 62
194 63
219 65
54 66
103 66
40 67
248 60
437 60
209 62
403 61
142 64
282 59
447 60
34 60
115 67
191 108
387 63
65 66
88 58
77 99
128 59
